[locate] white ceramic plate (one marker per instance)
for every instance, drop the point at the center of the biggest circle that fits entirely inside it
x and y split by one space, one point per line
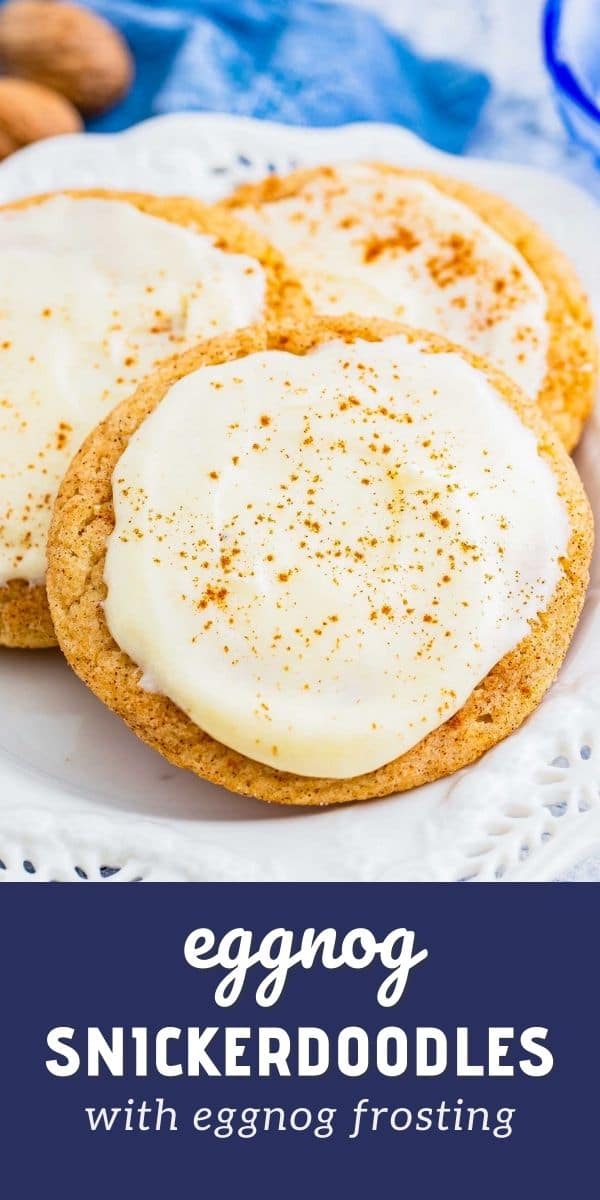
80 797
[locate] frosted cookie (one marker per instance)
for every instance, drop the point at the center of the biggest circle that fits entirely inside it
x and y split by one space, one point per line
439 254
96 289
358 575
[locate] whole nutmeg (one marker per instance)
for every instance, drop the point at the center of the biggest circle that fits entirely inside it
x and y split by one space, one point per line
66 48
29 112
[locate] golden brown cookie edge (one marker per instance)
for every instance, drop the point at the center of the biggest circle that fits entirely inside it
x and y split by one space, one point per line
569 389
25 621
83 519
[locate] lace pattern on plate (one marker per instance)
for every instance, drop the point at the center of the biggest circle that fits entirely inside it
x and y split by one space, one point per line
530 810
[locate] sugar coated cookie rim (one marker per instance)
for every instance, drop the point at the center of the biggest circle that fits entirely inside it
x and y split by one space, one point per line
84 517
569 389
25 621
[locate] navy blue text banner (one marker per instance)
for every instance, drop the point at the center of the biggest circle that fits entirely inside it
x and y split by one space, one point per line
299 1040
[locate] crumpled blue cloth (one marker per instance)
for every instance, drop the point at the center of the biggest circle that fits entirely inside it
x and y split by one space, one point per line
303 62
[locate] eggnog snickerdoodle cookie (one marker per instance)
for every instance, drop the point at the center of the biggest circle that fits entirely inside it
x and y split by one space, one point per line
437 253
354 573
97 288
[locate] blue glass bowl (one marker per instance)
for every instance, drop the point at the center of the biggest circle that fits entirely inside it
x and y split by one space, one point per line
571 36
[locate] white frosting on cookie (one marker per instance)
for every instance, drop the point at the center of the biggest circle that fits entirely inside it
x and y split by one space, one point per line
318 558
93 294
382 244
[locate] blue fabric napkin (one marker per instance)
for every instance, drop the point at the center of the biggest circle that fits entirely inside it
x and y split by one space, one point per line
303 62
